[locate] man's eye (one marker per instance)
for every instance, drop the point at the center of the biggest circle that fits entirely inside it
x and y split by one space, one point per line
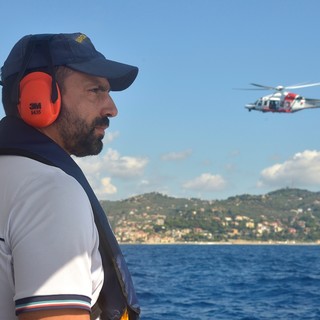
95 90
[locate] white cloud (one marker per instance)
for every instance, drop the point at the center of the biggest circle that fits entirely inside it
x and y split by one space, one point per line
206 182
91 166
99 170
124 166
302 170
173 156
110 136
113 164
144 182
107 186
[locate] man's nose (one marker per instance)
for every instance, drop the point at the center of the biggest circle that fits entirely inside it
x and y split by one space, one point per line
110 109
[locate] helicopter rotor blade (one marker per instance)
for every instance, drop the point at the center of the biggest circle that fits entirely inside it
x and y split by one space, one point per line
303 85
280 88
263 87
250 89
260 87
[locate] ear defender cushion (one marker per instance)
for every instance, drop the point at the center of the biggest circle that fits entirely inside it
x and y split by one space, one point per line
35 105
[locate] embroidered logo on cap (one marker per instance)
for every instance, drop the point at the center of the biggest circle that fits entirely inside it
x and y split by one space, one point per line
81 38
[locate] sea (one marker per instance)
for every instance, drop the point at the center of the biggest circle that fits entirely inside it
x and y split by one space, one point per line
247 282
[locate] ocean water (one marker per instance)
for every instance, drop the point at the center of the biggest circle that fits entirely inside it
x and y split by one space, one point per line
247 282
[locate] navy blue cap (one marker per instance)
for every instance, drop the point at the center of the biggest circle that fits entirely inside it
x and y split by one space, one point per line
73 50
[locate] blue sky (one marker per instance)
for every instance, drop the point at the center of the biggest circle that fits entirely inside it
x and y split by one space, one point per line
182 129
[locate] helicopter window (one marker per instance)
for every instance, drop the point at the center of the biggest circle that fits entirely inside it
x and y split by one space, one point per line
273 104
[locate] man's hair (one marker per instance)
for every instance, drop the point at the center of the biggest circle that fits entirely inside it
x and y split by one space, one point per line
9 87
10 108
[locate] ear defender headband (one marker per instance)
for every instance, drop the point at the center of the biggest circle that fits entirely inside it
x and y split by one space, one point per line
38 94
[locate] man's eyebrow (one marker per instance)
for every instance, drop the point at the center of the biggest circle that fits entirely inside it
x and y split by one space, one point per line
104 88
99 85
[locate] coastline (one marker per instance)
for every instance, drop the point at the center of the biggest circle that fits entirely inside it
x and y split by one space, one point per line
234 242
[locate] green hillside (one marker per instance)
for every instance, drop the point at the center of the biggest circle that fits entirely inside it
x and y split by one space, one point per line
286 214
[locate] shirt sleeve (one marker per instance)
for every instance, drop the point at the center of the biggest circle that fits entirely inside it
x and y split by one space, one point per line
54 244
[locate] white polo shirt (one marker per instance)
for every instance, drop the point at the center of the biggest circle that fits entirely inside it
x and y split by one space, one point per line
49 254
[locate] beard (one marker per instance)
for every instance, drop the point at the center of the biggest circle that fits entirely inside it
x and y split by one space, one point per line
78 136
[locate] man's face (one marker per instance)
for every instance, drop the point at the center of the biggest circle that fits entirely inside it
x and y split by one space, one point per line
85 112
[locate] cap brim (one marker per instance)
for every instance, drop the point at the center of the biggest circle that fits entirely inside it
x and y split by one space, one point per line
119 75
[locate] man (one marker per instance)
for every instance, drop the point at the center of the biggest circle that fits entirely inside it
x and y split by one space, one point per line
54 263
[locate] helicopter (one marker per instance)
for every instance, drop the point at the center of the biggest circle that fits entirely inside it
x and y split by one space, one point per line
282 101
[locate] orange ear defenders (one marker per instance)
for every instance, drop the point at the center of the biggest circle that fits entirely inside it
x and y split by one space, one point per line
35 105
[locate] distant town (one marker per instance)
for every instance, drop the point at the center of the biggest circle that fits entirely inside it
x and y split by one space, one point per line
284 216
